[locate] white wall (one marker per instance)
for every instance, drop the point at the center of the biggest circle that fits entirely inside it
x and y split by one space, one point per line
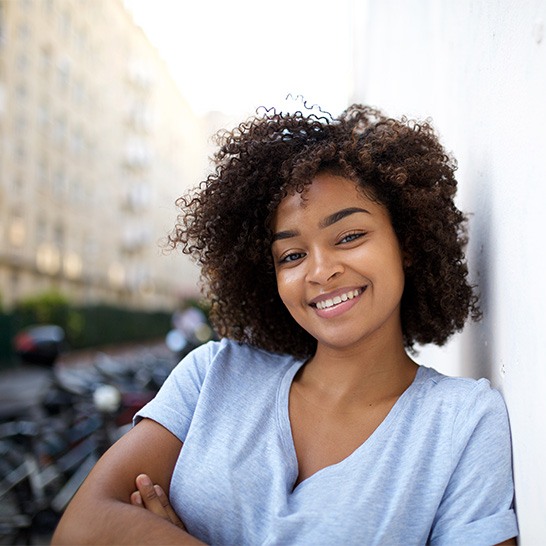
478 68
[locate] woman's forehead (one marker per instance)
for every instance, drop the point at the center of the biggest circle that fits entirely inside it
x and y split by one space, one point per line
325 194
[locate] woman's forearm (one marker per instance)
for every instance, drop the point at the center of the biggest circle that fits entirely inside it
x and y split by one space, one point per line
116 522
101 511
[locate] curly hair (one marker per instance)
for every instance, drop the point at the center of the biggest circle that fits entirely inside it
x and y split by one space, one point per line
225 223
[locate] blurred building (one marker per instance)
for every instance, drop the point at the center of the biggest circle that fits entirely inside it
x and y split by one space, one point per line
96 143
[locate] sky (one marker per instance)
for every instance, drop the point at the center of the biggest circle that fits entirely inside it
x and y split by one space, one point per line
233 56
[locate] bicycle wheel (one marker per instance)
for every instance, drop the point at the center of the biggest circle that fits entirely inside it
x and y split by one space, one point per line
15 498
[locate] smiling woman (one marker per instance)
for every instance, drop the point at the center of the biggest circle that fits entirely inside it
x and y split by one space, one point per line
328 247
399 165
338 267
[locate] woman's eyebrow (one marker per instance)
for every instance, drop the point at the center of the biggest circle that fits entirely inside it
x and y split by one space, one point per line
339 215
284 235
326 222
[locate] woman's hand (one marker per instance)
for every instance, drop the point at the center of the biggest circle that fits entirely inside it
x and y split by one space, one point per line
153 498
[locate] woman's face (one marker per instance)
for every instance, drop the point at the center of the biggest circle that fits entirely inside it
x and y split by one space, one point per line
338 264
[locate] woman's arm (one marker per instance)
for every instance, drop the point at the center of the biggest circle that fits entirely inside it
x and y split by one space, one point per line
101 512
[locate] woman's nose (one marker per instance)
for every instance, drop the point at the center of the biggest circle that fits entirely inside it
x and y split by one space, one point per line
322 266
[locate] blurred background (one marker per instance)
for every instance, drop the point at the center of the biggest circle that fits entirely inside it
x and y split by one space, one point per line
106 113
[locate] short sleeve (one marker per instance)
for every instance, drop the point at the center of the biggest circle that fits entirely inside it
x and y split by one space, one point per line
477 506
174 405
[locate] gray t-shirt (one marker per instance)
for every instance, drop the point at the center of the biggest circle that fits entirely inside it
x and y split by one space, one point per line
437 469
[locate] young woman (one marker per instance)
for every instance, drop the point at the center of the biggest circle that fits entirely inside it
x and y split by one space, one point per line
328 247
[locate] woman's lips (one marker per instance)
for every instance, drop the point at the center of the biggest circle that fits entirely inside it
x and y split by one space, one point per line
336 300
337 304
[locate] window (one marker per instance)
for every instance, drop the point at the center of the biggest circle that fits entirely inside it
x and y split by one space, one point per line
42 175
59 131
76 191
23 31
48 6
22 62
77 92
45 60
20 150
65 24
21 91
17 231
41 230
59 183
76 141
58 235
17 183
43 114
63 74
20 125
81 41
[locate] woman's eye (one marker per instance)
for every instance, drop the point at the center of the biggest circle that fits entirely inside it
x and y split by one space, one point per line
350 237
291 257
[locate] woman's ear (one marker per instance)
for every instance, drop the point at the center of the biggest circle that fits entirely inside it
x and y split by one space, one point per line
406 260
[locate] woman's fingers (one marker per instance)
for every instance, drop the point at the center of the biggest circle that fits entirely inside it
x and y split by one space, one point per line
153 498
148 496
136 499
168 508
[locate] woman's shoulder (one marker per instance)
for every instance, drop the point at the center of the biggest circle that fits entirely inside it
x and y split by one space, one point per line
460 393
236 356
459 409
453 385
236 349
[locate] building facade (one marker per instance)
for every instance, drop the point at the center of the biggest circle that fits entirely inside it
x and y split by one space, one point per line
96 143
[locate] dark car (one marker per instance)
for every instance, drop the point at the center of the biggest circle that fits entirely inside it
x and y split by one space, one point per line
40 344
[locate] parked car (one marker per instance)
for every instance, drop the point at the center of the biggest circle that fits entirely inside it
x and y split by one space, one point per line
40 344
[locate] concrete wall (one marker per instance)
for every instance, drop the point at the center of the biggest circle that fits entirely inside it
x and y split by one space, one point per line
478 68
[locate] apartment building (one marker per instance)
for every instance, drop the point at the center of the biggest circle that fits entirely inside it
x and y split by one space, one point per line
96 143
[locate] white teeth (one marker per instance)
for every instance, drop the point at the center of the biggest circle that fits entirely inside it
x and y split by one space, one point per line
338 299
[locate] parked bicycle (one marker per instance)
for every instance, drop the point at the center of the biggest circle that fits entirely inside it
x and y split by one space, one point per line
49 444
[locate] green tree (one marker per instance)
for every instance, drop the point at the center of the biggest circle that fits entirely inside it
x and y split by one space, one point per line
50 307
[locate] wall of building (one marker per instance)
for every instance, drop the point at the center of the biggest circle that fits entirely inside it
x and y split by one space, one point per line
479 70
96 143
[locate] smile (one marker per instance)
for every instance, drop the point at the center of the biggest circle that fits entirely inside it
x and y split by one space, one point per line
339 299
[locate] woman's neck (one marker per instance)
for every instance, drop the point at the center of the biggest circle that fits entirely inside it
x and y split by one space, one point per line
357 376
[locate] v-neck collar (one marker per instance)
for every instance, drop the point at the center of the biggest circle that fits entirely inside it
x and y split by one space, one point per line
285 429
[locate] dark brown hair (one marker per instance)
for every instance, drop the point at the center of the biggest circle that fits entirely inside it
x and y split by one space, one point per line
225 224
